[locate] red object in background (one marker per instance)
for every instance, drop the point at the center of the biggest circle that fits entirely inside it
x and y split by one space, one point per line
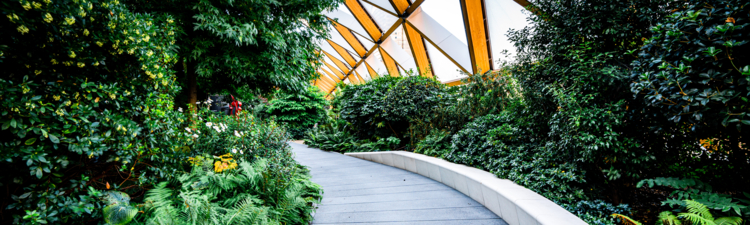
235 107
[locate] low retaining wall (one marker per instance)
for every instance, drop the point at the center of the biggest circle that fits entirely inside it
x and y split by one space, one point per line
514 203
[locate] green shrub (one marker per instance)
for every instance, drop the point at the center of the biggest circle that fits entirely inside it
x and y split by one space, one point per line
694 70
301 111
364 107
249 194
436 144
85 95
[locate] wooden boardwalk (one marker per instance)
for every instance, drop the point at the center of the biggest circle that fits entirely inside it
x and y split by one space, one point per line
357 191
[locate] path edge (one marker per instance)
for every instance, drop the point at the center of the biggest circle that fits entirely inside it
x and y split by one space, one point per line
516 204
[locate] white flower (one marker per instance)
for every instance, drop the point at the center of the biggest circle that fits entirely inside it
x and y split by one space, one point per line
179 109
198 103
195 135
209 124
198 131
236 133
187 129
234 151
241 152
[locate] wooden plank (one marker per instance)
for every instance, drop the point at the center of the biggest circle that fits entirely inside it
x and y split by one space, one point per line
419 51
338 73
389 63
359 77
343 53
364 19
350 39
401 6
476 35
338 62
373 74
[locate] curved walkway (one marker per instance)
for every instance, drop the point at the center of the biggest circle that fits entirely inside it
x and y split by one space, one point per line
358 191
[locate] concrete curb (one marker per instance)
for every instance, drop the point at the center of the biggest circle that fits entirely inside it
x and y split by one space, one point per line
514 203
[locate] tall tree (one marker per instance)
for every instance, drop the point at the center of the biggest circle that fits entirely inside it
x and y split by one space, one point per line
262 44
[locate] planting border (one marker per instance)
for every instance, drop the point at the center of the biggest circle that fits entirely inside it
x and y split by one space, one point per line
514 203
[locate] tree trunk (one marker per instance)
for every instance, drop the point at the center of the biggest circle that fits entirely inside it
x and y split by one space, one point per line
192 87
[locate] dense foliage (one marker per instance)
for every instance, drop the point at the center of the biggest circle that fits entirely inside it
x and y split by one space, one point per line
86 100
88 117
229 45
299 110
250 194
602 95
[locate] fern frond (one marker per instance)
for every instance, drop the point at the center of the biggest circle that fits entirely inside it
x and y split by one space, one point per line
699 209
728 221
667 218
696 219
625 219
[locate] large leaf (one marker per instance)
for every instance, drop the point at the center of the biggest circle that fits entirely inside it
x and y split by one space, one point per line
119 214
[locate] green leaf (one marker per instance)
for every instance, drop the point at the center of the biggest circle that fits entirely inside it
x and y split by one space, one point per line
13 122
6 125
39 172
54 139
30 141
119 214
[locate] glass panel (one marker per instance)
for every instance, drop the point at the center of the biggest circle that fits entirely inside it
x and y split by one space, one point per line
382 18
338 39
445 69
376 62
448 13
385 4
365 42
503 16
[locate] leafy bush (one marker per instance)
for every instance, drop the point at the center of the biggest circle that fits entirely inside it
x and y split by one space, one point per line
436 144
85 95
694 71
250 194
301 111
364 107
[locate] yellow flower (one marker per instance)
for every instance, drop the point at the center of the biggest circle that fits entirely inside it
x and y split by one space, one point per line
157 67
72 54
159 75
59 112
26 5
81 65
99 43
23 29
37 72
37 5
91 6
70 21
146 38
149 53
131 51
67 103
47 1
96 63
48 18
86 32
170 21
164 82
54 62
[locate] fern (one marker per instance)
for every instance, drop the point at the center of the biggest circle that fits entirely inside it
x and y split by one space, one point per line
249 194
667 218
